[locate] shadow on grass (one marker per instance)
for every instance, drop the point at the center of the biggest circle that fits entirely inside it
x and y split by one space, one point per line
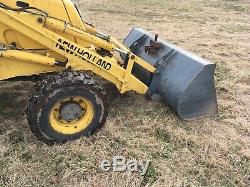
12 105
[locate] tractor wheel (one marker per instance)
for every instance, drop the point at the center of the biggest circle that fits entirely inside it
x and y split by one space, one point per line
66 106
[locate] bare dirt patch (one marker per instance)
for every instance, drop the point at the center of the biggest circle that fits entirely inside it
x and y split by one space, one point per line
206 152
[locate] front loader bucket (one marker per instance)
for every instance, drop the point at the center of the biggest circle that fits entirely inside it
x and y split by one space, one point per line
183 80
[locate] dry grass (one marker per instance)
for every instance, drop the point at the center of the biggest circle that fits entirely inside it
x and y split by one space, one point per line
207 152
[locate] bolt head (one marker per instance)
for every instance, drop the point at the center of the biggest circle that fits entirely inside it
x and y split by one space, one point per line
133 57
40 20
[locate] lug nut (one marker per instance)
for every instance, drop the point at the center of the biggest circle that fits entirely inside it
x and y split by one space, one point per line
40 20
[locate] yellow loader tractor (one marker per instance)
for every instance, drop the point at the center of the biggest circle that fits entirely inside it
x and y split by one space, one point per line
73 64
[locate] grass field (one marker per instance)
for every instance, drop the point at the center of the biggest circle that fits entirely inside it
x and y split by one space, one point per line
207 152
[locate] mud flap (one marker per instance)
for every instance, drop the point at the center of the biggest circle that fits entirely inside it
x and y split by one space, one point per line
183 80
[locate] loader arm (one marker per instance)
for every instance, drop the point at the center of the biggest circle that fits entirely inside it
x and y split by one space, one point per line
50 32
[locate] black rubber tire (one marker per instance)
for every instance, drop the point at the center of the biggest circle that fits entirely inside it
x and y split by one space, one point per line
54 87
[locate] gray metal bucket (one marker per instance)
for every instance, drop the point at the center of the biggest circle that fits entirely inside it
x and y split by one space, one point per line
183 80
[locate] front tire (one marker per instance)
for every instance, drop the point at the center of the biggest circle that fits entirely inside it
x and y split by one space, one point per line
66 106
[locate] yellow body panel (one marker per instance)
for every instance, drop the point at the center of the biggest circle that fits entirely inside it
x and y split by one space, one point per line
9 35
43 43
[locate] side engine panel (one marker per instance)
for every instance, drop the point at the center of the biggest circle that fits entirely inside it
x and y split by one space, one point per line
61 9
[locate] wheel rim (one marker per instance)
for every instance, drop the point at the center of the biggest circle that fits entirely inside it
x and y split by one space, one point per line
71 115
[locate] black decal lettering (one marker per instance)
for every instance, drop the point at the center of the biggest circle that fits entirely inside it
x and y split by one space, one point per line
72 47
61 47
85 54
66 44
58 45
59 41
80 51
108 66
103 64
99 62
